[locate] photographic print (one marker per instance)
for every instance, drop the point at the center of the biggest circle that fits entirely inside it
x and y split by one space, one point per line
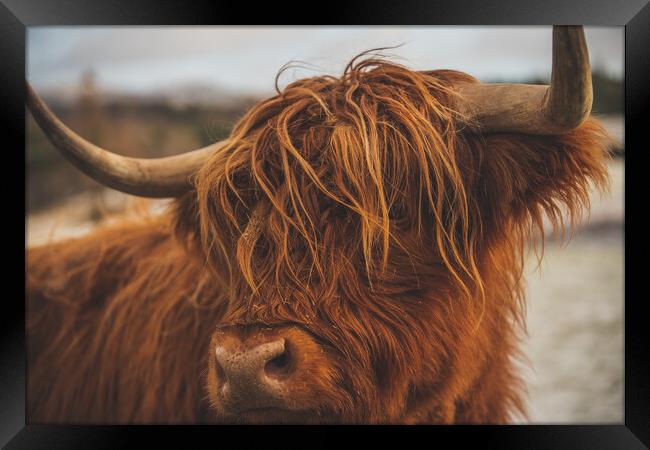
323 225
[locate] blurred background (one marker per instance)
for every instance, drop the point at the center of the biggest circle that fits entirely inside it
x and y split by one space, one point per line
156 91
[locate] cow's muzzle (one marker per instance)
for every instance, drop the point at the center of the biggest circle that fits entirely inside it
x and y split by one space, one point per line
260 370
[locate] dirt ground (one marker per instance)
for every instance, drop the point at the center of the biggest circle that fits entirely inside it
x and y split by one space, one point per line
574 346
575 325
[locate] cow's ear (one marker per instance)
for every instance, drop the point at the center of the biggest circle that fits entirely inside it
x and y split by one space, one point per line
522 178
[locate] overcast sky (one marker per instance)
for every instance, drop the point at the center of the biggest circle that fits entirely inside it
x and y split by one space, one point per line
246 59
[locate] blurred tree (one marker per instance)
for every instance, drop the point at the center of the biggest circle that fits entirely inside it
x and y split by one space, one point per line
88 118
88 113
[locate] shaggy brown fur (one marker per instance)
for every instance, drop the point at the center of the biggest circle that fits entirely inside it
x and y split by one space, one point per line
358 209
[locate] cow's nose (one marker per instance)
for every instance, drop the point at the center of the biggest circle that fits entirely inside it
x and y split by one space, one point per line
251 376
261 361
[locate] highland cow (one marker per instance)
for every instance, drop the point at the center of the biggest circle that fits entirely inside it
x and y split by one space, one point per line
353 253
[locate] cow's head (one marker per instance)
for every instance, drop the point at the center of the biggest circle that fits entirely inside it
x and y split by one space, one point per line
366 232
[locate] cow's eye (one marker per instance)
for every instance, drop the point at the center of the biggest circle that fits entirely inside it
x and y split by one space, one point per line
398 212
336 211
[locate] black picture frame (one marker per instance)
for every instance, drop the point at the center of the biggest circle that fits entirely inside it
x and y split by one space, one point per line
16 15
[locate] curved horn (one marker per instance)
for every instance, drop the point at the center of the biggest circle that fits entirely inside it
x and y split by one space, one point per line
156 177
538 109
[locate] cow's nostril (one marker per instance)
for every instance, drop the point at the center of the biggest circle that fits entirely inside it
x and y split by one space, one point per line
281 365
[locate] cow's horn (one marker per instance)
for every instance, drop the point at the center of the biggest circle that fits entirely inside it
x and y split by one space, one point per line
156 177
537 109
